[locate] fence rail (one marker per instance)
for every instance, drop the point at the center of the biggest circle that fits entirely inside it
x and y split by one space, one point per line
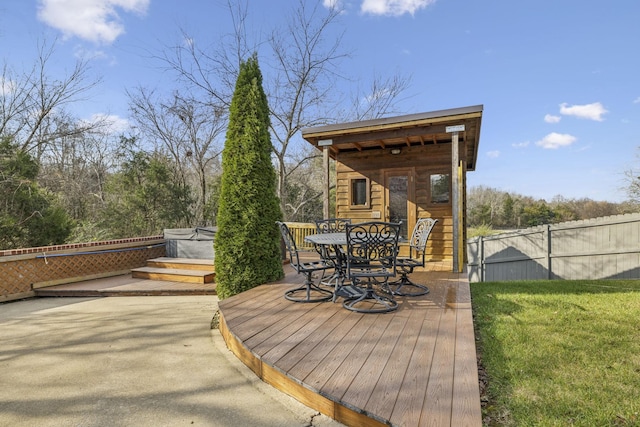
300 230
23 270
600 248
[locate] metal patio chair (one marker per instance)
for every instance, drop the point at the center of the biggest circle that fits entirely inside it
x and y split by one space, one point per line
332 225
416 258
335 254
372 249
308 291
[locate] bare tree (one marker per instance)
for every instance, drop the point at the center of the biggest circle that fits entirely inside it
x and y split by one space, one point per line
302 88
210 71
301 66
304 187
381 98
76 168
632 177
186 129
33 104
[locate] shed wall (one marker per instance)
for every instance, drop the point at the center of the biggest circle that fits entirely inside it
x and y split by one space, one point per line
423 161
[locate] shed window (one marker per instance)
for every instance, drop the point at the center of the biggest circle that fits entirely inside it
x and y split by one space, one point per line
440 184
359 189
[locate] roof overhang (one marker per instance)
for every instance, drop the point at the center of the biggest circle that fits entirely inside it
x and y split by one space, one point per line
402 131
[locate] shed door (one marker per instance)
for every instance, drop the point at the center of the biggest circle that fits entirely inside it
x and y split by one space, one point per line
399 198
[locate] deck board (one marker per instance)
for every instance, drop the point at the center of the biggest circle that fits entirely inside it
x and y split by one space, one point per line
125 285
386 392
408 407
412 367
338 356
439 397
308 343
342 380
274 336
307 325
318 354
370 375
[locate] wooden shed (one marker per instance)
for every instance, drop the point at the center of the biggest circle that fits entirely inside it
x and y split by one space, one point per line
404 168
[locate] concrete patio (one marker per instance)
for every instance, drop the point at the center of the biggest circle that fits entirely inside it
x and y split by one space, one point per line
143 361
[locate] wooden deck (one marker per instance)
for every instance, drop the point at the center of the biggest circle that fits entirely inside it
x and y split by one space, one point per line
412 367
125 285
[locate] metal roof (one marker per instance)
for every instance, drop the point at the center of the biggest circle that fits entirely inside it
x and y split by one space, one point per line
401 131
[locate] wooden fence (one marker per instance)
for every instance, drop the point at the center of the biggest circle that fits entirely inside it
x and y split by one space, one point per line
300 230
600 248
23 270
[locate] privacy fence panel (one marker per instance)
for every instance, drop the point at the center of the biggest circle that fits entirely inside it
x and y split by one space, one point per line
600 248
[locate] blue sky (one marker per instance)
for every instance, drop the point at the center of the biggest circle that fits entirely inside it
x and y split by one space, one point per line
558 78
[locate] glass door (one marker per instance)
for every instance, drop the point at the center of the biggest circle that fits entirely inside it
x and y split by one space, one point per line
399 199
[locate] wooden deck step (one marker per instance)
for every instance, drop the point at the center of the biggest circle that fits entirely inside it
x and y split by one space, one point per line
174 274
123 286
182 263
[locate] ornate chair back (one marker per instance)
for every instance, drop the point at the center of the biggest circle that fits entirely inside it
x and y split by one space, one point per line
372 249
308 291
419 237
290 245
332 225
417 252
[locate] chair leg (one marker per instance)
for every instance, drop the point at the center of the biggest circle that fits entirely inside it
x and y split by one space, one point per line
336 281
399 287
369 300
310 292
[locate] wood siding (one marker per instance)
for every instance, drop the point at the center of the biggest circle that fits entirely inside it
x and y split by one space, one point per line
423 161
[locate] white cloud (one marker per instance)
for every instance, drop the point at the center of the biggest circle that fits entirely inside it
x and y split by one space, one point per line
114 123
556 140
493 154
393 7
94 20
549 118
520 144
588 111
637 100
332 4
7 87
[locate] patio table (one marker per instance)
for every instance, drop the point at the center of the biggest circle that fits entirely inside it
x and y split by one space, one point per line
337 241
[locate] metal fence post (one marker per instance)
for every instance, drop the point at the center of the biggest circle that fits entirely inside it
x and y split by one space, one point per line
549 275
481 258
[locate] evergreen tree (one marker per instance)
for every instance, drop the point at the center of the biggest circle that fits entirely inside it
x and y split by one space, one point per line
29 215
247 244
145 197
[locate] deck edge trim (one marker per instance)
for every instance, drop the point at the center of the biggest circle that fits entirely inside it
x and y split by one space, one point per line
293 387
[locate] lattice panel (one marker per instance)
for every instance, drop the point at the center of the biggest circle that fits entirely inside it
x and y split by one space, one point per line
17 276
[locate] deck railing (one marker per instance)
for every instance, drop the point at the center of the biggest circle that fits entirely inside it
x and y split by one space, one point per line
300 230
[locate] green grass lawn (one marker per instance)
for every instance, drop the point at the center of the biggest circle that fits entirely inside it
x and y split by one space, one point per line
560 353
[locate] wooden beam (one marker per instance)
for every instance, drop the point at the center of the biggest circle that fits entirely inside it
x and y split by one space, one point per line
335 131
389 134
455 199
325 183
